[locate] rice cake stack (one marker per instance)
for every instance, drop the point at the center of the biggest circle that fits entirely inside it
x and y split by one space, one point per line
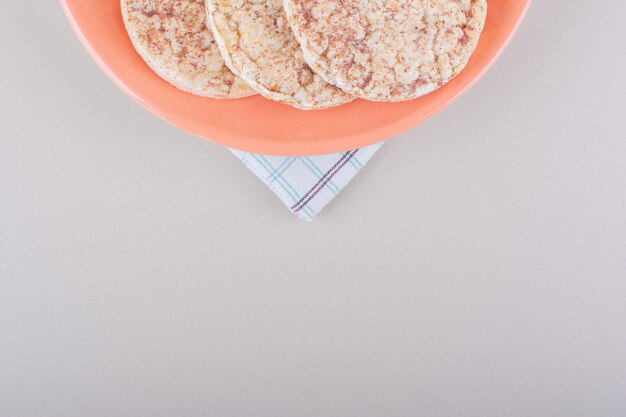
311 54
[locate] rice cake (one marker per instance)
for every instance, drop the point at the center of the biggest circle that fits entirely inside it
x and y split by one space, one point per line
387 50
173 39
258 45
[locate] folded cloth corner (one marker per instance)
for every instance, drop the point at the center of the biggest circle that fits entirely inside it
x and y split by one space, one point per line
306 184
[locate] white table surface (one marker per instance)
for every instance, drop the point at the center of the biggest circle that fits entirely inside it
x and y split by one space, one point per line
477 267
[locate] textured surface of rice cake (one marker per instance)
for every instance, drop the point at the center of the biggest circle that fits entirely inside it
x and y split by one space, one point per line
173 39
258 45
387 50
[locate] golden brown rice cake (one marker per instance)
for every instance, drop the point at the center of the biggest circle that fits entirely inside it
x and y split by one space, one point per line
172 37
258 45
387 50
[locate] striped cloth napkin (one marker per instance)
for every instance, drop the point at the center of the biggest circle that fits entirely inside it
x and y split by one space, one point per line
306 184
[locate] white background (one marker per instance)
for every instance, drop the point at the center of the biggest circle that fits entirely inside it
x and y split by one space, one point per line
477 266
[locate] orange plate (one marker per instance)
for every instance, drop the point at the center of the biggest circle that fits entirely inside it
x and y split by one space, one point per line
258 125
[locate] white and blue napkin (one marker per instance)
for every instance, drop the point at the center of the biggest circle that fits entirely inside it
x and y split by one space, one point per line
306 184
